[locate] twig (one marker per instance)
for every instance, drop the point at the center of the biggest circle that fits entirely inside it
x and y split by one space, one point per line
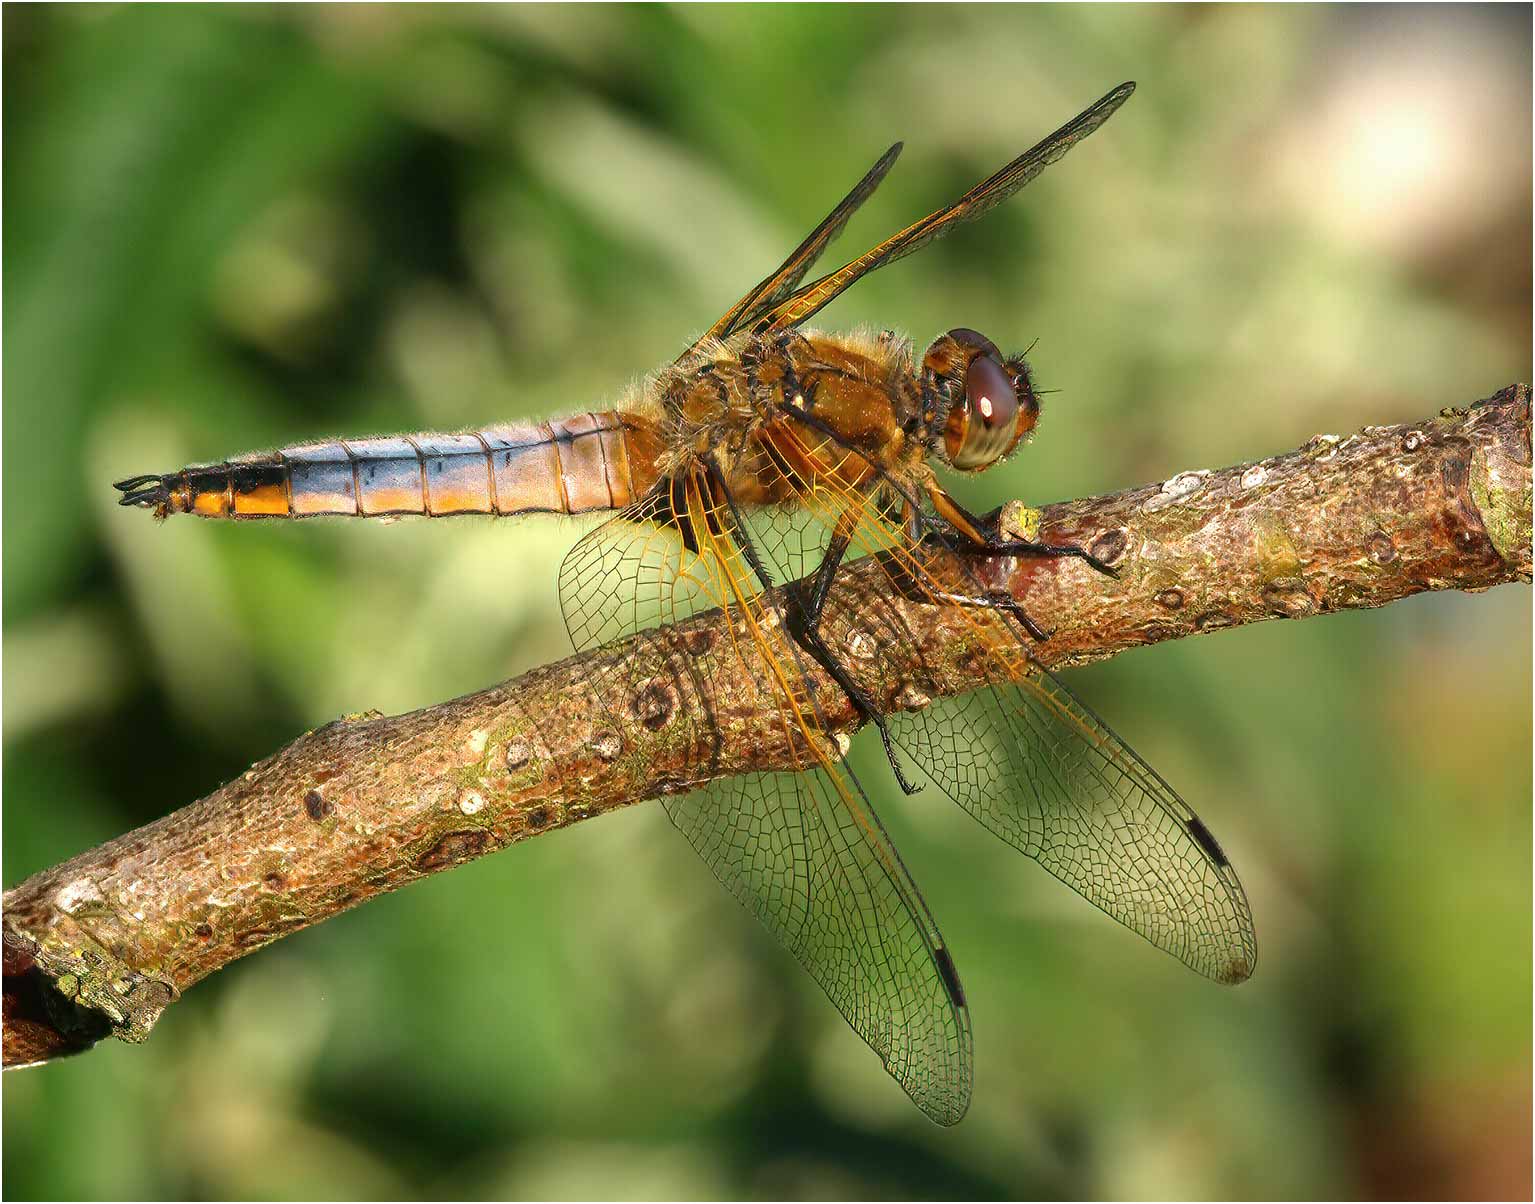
103 943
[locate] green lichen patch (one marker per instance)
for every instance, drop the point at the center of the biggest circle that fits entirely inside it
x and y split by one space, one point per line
91 993
1505 512
1275 552
1020 520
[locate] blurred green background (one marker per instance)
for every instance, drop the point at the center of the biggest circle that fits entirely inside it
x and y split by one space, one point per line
235 228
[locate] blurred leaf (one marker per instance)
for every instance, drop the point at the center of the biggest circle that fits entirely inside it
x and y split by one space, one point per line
156 135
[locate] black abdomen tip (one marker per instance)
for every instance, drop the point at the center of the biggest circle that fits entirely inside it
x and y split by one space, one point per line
148 491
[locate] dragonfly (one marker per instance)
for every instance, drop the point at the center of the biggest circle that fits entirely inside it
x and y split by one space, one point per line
769 453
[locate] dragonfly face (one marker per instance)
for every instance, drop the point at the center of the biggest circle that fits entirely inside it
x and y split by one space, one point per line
769 453
986 403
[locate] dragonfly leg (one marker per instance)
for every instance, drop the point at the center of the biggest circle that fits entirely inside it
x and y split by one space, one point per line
1002 601
982 537
920 530
1029 547
804 623
802 618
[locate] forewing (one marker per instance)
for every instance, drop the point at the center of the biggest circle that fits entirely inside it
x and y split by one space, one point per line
802 851
786 279
799 306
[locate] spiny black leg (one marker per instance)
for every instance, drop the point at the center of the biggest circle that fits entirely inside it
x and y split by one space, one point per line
803 618
809 638
995 545
1015 547
1029 547
804 623
1008 604
927 531
996 600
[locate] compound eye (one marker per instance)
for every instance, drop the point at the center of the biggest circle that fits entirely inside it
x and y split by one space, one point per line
975 340
985 425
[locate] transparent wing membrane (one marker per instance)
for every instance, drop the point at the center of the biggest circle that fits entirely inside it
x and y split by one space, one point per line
1035 766
824 879
633 572
802 851
989 193
770 292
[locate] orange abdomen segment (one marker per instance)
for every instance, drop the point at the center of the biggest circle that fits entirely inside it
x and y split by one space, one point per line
600 461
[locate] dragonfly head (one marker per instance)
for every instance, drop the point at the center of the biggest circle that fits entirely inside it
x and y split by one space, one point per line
977 405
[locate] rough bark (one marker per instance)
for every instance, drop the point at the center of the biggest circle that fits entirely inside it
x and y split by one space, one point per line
103 943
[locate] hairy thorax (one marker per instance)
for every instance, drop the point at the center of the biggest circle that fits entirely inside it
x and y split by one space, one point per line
782 412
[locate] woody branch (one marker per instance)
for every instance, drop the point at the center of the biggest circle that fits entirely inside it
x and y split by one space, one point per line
101 944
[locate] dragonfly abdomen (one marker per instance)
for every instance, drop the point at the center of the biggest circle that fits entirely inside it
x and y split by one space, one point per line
599 461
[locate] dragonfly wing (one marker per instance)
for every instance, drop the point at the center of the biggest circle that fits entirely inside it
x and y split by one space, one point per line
798 306
825 880
786 279
803 851
1037 768
639 569
1034 765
